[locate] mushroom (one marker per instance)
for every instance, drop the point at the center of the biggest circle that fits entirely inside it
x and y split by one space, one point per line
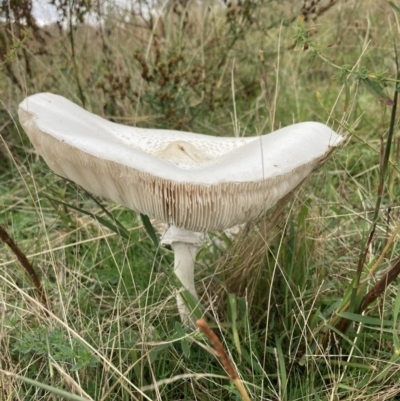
195 183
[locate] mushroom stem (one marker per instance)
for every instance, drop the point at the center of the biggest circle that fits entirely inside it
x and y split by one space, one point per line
185 244
185 255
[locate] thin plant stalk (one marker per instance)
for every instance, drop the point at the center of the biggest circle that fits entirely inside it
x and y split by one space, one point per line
5 237
380 287
72 42
223 357
356 303
382 178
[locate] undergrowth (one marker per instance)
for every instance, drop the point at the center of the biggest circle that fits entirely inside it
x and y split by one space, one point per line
305 301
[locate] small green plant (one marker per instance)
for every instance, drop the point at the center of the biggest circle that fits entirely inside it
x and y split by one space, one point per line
53 344
16 46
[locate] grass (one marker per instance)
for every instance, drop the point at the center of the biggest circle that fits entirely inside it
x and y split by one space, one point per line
276 291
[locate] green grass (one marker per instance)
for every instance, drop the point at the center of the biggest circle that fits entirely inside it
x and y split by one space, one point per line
275 291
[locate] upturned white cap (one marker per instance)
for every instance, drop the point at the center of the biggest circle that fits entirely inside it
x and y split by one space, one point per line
195 182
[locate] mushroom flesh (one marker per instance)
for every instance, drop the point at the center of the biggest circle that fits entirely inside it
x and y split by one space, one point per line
195 183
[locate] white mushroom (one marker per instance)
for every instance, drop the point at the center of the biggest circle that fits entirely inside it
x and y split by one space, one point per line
193 182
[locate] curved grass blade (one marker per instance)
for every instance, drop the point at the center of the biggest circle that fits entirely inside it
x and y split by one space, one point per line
118 229
395 8
61 393
109 214
150 229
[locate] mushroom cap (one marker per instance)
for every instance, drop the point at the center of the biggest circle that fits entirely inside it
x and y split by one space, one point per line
196 182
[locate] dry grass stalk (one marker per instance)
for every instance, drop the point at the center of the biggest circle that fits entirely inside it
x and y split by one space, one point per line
223 357
5 237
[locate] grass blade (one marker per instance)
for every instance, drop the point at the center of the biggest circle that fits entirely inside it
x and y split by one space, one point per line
232 307
123 232
150 229
61 393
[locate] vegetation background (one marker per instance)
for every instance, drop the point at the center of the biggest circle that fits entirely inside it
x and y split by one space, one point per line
304 300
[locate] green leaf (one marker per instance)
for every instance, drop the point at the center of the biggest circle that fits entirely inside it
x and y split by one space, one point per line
181 334
252 360
395 8
373 321
150 229
232 309
155 351
191 302
376 90
304 212
396 311
66 351
282 368
104 209
78 366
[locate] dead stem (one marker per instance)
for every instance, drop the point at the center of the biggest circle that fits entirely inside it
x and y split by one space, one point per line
223 357
5 237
